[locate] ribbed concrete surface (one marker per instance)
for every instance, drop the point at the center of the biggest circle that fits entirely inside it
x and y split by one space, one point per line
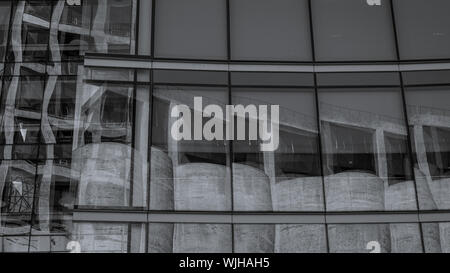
202 186
401 196
161 186
254 238
251 189
405 238
426 201
202 238
354 191
431 237
444 230
102 237
160 239
299 194
300 239
354 238
440 189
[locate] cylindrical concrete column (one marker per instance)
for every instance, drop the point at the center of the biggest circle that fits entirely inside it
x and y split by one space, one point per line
202 187
194 238
251 189
405 238
300 239
353 238
298 194
354 191
160 238
431 237
254 238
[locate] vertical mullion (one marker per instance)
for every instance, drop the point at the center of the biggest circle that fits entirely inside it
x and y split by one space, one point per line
152 34
319 132
230 155
149 155
406 122
137 25
133 138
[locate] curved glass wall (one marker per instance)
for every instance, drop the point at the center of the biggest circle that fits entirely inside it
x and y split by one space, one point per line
94 155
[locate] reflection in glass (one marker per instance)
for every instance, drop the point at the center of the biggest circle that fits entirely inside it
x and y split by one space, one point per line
429 121
187 174
436 237
287 179
189 238
109 238
109 171
366 164
391 238
97 26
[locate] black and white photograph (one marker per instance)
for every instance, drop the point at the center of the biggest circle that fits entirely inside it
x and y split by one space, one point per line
252 127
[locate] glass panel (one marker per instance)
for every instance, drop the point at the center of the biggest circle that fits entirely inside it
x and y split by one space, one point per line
39 8
375 238
97 26
280 238
201 25
351 30
429 121
188 172
5 12
436 237
423 29
364 139
273 30
35 40
14 244
287 178
109 238
272 79
111 172
189 238
17 185
53 198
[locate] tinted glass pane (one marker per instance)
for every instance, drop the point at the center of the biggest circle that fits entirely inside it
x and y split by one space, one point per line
189 238
189 171
366 164
191 29
288 177
352 30
279 238
378 238
436 237
423 28
429 120
108 238
275 30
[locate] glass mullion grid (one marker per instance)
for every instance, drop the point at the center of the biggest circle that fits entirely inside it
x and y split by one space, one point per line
229 90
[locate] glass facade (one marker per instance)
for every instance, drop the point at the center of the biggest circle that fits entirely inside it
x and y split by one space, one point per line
91 92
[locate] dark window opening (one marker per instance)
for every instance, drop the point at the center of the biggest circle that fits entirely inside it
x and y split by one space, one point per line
437 142
352 149
398 161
